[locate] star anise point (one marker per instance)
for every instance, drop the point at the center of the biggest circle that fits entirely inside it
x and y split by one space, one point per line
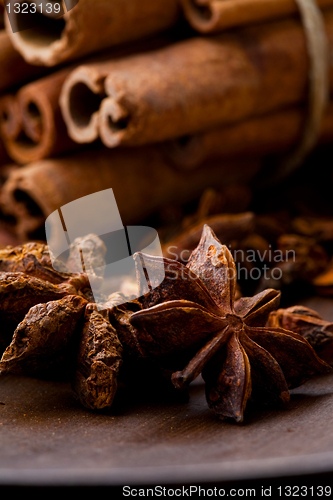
238 356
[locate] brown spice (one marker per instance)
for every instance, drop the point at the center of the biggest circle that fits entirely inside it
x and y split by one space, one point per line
57 324
302 260
320 228
43 336
14 69
190 320
237 355
29 195
31 123
323 283
19 292
85 30
309 324
99 359
209 16
269 134
31 258
239 75
231 228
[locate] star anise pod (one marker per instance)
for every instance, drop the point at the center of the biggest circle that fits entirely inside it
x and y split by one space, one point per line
57 330
232 228
41 340
31 258
98 361
319 228
191 320
308 323
323 282
194 309
19 292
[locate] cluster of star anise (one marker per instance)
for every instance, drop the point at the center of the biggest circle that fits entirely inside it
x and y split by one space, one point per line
188 325
293 254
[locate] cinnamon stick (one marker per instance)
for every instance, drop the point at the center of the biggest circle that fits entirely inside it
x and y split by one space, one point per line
274 133
83 90
141 178
193 85
31 123
212 16
90 27
80 99
14 69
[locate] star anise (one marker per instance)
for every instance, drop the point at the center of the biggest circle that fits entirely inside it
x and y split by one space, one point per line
308 323
290 254
190 320
302 260
98 361
323 282
194 309
58 329
31 258
319 228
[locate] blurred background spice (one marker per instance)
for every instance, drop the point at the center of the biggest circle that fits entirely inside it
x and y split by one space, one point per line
185 109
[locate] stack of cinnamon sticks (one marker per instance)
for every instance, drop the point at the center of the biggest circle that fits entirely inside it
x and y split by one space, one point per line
134 95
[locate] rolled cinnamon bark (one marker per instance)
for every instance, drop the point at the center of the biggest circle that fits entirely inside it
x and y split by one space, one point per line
141 178
80 99
90 27
274 133
194 85
31 123
14 70
10 117
83 90
5 171
212 16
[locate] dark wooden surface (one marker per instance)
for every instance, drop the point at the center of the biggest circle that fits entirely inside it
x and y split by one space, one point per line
47 438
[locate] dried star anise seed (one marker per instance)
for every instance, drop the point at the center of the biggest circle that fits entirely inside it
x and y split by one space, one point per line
119 316
232 228
302 260
19 292
323 282
31 258
99 359
309 324
191 319
57 322
320 228
237 355
43 336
